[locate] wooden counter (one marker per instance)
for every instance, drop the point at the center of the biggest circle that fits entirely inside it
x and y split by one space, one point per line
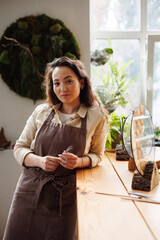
109 217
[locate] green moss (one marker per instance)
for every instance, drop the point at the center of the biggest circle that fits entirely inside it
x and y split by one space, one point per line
70 55
35 39
36 50
55 29
22 25
40 39
4 58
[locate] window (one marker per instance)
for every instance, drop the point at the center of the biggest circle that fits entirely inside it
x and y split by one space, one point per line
153 86
130 25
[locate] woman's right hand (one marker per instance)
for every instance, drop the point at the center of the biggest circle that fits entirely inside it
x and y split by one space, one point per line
49 163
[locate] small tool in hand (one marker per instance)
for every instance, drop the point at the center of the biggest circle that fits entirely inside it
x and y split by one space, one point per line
68 149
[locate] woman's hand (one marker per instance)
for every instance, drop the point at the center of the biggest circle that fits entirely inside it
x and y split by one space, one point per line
69 160
49 163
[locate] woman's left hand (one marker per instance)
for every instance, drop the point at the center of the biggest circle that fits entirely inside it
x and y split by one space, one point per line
69 160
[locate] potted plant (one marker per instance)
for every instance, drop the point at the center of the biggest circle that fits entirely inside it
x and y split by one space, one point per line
100 57
113 92
113 89
114 133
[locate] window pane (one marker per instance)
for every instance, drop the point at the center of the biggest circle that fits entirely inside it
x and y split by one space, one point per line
123 52
115 15
156 85
153 15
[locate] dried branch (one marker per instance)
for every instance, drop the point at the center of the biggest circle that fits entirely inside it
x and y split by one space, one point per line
16 43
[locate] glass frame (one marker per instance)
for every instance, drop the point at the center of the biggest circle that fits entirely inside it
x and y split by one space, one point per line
124 119
151 155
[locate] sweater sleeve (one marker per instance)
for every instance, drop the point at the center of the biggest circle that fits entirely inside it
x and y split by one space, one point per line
22 146
99 137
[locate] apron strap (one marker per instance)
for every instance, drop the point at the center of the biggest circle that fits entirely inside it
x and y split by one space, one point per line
50 116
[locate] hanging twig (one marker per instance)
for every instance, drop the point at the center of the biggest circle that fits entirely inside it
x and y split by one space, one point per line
27 49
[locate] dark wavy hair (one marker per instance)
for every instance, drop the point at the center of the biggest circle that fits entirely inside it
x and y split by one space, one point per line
87 96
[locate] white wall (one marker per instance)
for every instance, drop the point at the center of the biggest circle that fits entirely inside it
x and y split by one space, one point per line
14 110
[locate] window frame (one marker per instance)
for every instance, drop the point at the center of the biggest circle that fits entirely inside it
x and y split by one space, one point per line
144 36
152 39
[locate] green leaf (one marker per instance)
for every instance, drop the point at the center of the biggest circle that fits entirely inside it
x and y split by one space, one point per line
108 145
114 135
116 84
109 50
109 138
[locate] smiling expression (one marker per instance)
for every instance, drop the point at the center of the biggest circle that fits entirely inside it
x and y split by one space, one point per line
66 85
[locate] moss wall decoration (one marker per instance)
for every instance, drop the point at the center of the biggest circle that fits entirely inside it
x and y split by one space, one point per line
25 48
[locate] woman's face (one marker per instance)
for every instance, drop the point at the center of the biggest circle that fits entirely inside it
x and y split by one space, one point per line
66 85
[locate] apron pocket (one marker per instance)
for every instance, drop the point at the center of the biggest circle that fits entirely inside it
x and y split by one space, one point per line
49 200
69 199
21 211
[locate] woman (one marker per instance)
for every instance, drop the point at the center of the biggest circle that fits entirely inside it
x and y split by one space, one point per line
66 133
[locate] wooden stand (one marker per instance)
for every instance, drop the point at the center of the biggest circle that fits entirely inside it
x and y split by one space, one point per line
147 181
158 164
121 153
131 165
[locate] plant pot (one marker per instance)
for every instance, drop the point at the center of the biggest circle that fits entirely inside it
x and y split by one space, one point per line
110 149
116 140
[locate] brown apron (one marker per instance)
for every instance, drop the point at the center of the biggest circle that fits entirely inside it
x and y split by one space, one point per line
44 203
